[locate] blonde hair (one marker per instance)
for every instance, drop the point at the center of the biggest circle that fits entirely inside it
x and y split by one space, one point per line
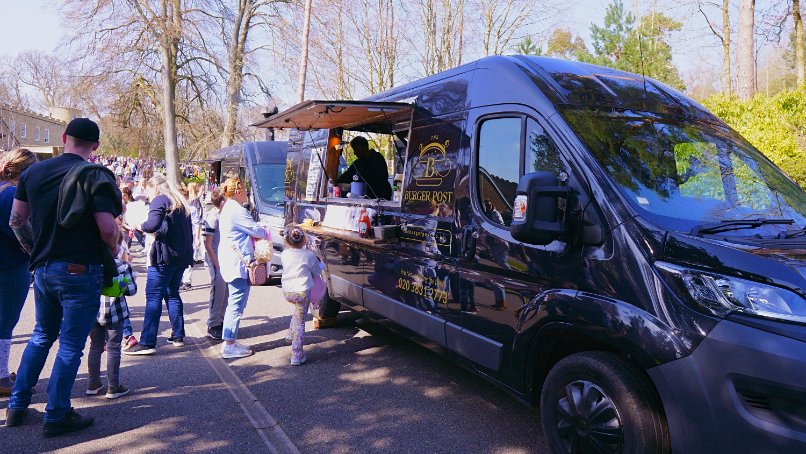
194 190
13 163
161 186
231 186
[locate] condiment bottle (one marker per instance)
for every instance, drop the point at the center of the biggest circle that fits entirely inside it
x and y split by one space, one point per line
364 224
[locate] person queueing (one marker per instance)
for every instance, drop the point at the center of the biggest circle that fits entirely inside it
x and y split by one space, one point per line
14 275
193 196
71 237
171 252
299 267
107 332
218 287
236 250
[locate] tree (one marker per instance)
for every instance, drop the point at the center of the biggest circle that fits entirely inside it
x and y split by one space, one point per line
160 41
800 50
443 23
528 47
745 55
236 27
563 44
611 42
379 42
502 19
644 50
724 39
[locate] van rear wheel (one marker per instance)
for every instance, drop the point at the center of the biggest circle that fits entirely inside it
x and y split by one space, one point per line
597 402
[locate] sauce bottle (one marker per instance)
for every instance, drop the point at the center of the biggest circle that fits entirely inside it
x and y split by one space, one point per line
364 224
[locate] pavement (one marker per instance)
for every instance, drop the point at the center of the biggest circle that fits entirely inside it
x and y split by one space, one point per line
364 389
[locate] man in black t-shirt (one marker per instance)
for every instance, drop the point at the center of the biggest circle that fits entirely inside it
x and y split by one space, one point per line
68 273
370 168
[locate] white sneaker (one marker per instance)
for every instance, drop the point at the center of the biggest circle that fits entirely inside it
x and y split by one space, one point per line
236 350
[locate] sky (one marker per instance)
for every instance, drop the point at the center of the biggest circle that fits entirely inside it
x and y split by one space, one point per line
35 24
29 24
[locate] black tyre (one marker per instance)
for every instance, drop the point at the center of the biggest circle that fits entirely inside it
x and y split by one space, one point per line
596 402
329 308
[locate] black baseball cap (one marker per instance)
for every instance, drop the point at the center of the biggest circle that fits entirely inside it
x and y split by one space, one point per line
84 129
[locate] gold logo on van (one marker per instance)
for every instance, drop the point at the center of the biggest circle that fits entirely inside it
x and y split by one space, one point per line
430 161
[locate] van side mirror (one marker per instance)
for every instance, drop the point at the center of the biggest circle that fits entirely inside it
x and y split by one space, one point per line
540 209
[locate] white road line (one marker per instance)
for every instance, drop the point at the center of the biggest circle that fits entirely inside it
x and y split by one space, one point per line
270 432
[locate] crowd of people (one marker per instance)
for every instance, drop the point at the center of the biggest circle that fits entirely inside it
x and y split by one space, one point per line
64 226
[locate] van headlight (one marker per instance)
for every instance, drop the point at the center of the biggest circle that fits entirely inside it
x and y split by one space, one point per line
722 295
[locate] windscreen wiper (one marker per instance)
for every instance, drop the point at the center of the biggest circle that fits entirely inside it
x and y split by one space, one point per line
736 224
792 234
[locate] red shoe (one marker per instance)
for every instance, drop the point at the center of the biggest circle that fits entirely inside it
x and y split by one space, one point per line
131 342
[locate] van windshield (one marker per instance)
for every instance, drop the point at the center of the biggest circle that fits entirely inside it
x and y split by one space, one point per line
270 182
682 174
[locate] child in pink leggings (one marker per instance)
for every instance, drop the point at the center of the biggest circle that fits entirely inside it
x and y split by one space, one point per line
299 267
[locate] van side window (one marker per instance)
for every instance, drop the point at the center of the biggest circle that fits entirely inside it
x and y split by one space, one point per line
541 152
499 167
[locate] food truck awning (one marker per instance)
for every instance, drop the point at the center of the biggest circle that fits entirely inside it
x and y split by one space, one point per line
317 114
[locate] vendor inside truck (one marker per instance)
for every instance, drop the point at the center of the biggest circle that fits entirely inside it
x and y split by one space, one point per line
369 167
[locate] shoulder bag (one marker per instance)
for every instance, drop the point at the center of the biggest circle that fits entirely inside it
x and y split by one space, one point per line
258 272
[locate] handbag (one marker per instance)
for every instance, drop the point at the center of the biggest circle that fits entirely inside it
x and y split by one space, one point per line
258 272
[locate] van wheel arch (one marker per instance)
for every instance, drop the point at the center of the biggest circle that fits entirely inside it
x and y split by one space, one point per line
557 341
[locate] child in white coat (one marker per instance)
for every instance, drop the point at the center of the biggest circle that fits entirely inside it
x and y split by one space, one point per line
299 267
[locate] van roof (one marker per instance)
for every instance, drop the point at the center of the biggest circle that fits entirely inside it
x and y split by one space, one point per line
566 83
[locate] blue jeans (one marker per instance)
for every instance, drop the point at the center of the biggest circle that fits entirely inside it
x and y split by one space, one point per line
66 308
14 284
238 295
163 283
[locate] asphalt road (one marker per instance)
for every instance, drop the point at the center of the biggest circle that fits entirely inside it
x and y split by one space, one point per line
364 389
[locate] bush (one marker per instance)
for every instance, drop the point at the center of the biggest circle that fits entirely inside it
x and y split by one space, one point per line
775 125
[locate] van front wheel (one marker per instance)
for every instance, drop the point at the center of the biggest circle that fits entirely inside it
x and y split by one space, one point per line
598 402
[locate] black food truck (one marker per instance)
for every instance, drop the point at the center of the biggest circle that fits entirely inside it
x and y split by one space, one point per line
261 165
590 240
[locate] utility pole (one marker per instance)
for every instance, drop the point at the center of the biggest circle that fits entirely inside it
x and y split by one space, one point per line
303 67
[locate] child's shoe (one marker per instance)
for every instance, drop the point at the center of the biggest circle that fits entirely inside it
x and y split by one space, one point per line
93 389
116 391
130 342
298 361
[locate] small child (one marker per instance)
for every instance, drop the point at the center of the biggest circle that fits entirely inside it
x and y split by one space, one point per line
299 267
107 331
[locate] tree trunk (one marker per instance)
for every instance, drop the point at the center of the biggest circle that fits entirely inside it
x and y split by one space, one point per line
745 57
168 53
240 32
800 51
726 46
303 66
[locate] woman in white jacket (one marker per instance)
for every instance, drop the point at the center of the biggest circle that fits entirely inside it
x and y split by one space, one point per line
238 231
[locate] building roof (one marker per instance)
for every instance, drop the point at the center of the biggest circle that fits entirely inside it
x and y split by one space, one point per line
31 113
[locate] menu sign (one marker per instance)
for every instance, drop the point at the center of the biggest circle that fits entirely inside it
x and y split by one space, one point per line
314 173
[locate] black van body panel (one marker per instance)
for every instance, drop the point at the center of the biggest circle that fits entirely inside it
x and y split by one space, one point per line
786 270
740 391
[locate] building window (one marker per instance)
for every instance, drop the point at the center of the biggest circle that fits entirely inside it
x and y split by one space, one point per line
37 134
47 135
12 126
499 167
23 131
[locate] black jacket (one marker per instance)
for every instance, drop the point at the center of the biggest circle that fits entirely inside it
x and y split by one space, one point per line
373 171
75 192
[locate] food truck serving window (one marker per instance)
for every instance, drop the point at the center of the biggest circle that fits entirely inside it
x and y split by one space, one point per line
328 127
